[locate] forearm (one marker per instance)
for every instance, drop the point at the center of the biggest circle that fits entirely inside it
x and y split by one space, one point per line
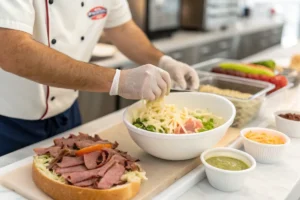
21 55
132 42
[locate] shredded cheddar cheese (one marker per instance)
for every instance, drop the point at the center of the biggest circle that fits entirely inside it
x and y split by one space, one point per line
264 138
165 118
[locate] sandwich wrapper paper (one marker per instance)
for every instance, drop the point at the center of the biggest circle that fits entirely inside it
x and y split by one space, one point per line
160 173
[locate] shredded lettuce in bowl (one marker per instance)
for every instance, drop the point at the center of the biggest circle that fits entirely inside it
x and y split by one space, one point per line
208 124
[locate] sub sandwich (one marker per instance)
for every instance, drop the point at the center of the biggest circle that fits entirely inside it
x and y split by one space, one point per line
82 167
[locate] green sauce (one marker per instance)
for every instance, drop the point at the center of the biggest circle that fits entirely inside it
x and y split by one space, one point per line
227 163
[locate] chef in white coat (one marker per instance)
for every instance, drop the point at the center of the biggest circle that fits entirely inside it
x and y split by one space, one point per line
45 46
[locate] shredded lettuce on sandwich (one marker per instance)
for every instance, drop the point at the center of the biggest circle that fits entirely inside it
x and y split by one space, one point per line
42 163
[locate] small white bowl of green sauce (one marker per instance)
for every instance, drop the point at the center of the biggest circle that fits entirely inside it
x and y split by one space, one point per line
226 168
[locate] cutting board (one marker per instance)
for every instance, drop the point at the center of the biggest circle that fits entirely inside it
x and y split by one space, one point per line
160 173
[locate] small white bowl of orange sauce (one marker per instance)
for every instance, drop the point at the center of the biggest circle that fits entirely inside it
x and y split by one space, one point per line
265 145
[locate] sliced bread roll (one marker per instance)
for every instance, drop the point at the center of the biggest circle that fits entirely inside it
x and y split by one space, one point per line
61 191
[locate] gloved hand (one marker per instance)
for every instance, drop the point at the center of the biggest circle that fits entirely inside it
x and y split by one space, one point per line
183 76
145 82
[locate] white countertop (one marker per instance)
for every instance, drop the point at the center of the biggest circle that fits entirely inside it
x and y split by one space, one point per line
183 39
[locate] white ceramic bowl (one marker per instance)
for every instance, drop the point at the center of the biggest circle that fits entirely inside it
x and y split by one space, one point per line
265 153
289 127
226 180
183 146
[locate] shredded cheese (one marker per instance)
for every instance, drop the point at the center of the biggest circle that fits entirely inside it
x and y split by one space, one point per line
167 117
264 138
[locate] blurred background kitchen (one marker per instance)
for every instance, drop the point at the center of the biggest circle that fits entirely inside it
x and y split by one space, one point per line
195 31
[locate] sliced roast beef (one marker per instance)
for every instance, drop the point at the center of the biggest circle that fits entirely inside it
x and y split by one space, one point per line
53 151
115 145
111 177
84 136
42 151
68 161
65 142
114 159
62 153
71 140
131 166
72 152
100 169
97 138
76 177
110 153
78 168
103 159
86 183
90 159
84 143
54 167
127 156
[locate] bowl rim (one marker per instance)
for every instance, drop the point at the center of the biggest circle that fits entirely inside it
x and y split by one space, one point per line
181 136
228 149
245 130
277 113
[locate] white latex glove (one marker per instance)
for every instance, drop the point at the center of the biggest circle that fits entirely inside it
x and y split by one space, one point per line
145 82
183 76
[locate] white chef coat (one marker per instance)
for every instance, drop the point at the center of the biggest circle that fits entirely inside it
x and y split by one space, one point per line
72 27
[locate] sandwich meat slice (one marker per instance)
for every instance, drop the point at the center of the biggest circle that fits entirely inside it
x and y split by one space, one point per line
82 167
